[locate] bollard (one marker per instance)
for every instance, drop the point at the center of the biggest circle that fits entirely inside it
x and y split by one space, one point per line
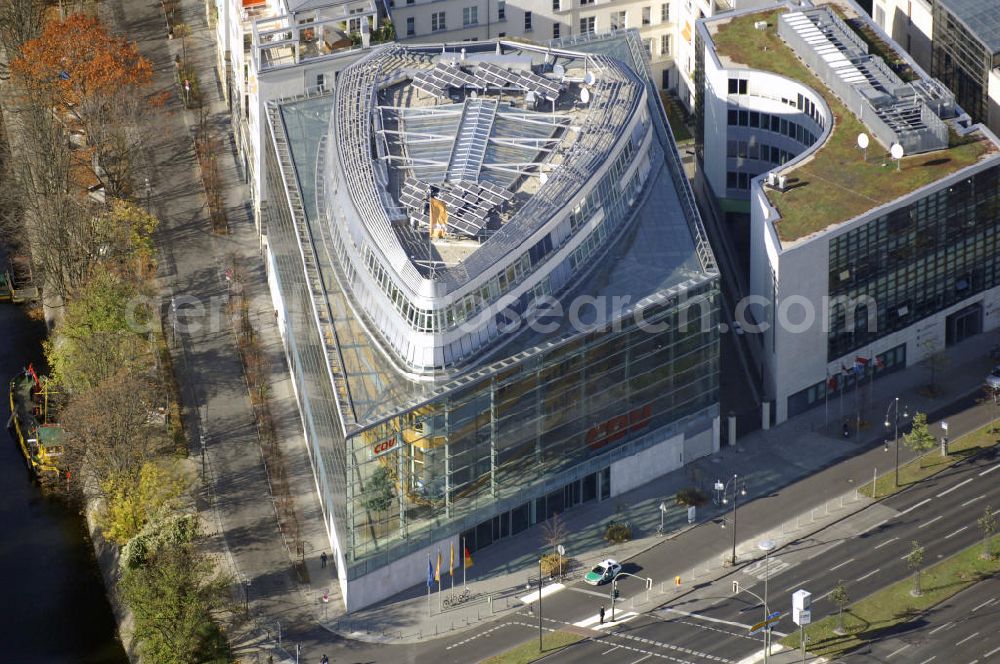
661 588
826 506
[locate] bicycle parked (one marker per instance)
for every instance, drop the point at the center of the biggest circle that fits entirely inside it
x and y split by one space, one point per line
460 598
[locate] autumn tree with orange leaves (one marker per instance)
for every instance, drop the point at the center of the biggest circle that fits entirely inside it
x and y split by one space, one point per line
101 81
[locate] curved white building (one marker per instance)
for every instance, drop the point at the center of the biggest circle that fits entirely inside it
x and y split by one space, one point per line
516 145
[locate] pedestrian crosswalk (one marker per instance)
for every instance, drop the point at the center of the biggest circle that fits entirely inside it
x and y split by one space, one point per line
594 621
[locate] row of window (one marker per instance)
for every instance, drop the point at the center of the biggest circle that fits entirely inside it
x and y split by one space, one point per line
557 5
884 363
588 25
769 122
757 151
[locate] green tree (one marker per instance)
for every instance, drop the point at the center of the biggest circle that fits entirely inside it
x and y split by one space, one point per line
841 599
914 559
175 599
102 334
379 491
919 439
988 526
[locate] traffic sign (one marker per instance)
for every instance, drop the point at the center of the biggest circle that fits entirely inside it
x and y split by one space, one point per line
801 616
771 619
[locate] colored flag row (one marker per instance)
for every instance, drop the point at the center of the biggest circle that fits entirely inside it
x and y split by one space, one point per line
434 574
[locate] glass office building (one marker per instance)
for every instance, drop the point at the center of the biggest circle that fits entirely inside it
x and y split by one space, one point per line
608 351
965 49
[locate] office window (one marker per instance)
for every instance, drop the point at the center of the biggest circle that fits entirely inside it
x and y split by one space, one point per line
648 44
470 16
437 22
527 21
556 5
664 44
555 31
501 10
411 28
584 3
665 13
731 180
410 2
588 25
619 20
647 15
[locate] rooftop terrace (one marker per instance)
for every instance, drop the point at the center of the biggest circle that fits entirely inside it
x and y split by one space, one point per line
835 184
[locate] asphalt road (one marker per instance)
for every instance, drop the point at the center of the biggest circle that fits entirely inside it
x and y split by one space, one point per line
866 551
960 631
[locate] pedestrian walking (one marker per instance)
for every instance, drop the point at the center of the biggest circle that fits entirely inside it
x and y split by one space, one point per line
322 560
601 614
325 660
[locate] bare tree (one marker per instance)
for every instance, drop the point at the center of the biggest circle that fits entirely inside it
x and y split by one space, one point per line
112 432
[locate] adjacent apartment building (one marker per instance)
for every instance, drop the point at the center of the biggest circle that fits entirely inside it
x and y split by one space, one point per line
860 263
957 41
494 290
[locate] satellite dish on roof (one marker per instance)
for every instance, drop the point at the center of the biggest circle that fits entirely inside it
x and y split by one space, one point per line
863 140
589 78
543 178
584 95
558 70
896 151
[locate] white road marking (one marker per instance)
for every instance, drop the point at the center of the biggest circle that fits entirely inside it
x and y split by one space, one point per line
796 585
587 622
871 573
956 532
642 658
910 509
972 500
929 659
897 651
986 603
888 541
960 484
546 591
989 470
995 650
927 523
708 618
846 562
762 568
970 636
620 618
611 650
940 627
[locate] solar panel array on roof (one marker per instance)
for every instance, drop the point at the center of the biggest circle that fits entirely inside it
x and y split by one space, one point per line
443 77
495 76
469 204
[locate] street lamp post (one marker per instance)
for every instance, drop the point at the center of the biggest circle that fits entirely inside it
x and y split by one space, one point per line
539 605
766 546
894 407
739 489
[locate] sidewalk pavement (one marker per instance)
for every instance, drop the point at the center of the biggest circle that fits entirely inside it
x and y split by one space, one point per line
245 528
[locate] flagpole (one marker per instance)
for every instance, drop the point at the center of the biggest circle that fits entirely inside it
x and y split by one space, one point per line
451 566
428 588
463 563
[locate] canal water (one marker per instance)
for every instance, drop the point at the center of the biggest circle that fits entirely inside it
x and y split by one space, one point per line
53 607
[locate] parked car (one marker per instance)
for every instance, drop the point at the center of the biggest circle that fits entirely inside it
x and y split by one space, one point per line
603 572
993 380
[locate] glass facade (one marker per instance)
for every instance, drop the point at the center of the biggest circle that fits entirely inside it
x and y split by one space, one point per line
494 444
531 430
914 261
962 62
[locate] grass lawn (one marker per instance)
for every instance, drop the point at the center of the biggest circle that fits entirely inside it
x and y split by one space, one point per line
528 652
837 184
884 612
932 462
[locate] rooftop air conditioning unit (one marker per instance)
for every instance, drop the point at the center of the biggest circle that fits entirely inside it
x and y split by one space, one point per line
781 182
772 178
